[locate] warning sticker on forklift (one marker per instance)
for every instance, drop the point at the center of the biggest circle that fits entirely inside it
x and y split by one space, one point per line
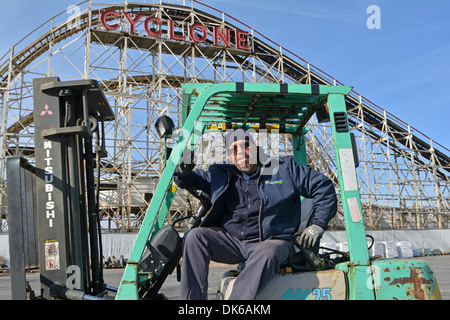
52 255
353 206
348 169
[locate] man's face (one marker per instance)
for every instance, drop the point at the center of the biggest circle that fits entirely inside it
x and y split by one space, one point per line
243 155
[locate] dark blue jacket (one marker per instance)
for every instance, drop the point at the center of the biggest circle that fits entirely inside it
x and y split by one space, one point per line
280 211
242 203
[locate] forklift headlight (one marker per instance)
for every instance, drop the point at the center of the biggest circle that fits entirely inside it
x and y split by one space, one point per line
164 126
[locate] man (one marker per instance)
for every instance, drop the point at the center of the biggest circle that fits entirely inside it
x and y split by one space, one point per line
254 215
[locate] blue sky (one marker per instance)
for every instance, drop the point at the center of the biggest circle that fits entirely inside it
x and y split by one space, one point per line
403 67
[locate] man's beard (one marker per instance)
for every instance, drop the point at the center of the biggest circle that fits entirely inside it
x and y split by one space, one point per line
248 167
245 170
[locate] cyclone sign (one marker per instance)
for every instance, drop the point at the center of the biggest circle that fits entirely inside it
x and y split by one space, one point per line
197 32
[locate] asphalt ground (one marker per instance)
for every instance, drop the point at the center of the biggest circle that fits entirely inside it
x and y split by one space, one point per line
439 264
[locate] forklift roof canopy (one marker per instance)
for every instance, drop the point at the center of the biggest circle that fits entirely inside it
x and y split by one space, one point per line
262 106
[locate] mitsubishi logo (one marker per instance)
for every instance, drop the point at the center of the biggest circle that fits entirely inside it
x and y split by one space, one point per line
46 111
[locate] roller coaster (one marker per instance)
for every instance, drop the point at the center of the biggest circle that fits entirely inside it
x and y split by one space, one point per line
140 54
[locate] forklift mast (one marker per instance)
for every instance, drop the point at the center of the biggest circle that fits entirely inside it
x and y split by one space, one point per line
285 108
60 189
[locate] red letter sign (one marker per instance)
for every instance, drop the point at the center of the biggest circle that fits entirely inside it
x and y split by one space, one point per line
241 40
225 37
147 28
197 32
103 19
131 20
192 32
172 34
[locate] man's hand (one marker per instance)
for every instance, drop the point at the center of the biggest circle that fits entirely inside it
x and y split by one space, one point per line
185 168
309 237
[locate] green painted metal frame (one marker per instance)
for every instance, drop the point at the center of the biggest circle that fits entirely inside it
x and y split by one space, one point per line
205 104
358 269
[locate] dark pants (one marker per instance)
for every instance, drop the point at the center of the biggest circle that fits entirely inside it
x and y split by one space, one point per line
201 245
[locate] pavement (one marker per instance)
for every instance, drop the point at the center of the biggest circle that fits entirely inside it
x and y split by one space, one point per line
112 277
439 264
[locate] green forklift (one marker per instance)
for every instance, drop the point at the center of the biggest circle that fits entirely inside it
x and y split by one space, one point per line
286 109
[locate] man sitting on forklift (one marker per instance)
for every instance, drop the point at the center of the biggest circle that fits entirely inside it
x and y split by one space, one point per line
254 215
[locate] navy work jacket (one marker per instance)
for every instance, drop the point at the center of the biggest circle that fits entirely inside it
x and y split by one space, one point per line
280 191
